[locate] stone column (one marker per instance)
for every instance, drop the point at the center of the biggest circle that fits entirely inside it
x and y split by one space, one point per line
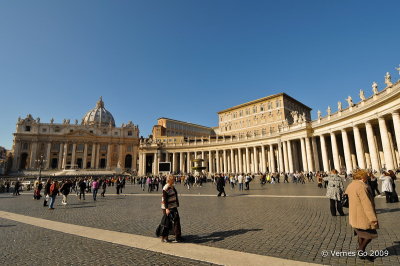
255 160
210 163
48 153
181 162
109 147
97 163
271 150
73 166
33 155
120 156
224 161
240 160
140 171
359 148
310 164
64 161
285 157
217 161
280 156
263 164
289 148
372 147
324 153
303 154
346 148
188 169
17 155
154 172
174 163
396 126
144 163
232 161
315 154
93 160
247 160
387 148
166 157
134 160
236 163
335 152
85 156
60 156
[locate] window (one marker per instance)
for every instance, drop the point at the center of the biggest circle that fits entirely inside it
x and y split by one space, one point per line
115 133
57 129
91 131
103 147
129 148
71 130
254 109
80 147
27 128
261 107
55 147
241 113
278 103
25 146
104 132
44 130
129 133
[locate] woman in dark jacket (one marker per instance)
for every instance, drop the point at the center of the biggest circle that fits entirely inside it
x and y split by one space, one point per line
394 196
169 206
46 192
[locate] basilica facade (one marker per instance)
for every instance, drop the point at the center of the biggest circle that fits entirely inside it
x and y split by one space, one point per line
276 134
93 143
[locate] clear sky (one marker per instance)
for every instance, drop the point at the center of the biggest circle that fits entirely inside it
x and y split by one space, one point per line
187 59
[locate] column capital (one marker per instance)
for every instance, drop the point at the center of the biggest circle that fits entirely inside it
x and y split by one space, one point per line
396 113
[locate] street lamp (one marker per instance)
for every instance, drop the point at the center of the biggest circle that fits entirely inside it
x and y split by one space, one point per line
40 162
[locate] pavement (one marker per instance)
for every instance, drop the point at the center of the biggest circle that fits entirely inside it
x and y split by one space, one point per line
275 224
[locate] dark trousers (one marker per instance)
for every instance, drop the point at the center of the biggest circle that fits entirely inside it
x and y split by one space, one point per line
336 204
81 192
176 223
388 196
221 190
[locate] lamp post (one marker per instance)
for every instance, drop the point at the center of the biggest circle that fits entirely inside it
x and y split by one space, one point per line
40 162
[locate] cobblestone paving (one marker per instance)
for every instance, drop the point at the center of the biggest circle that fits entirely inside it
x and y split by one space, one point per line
27 245
291 228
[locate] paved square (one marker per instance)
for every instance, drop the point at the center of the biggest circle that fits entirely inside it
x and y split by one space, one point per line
287 221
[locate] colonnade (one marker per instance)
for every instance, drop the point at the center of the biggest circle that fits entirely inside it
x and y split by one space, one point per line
372 144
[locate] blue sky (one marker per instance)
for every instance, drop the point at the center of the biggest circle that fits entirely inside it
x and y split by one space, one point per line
187 59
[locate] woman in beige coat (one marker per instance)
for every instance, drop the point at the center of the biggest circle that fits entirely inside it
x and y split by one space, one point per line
362 214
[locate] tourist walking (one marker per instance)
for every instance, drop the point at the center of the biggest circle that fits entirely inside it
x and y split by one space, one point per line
387 186
47 192
169 206
95 188
65 189
82 188
362 214
373 183
335 192
395 197
240 182
104 187
16 188
221 186
37 188
54 191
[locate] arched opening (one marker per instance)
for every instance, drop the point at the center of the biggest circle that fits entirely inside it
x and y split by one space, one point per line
79 163
24 161
102 163
88 165
128 161
54 163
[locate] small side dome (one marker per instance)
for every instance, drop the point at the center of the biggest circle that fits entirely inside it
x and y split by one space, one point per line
99 116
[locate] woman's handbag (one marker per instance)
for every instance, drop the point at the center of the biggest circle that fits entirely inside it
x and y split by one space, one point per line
345 201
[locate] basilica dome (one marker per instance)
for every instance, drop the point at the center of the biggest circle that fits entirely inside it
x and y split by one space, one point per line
99 116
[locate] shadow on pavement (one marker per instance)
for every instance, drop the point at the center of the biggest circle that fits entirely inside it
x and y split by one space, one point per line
217 236
379 211
395 249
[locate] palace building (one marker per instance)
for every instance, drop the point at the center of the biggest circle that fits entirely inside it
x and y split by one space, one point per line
95 143
276 134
